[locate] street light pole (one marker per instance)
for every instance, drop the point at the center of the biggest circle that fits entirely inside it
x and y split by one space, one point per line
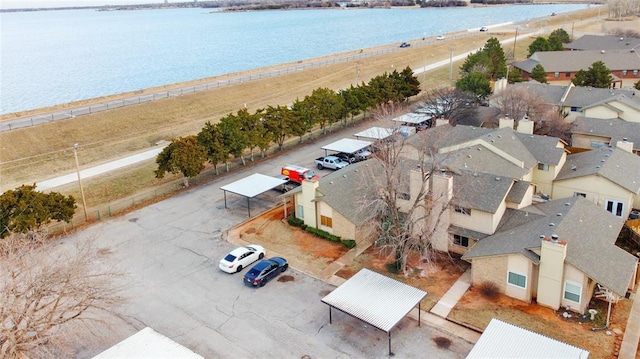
451 48
84 202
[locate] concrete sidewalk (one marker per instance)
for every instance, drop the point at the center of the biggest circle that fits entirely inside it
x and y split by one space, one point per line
629 346
453 295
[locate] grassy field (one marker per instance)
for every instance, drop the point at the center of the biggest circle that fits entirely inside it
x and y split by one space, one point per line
41 152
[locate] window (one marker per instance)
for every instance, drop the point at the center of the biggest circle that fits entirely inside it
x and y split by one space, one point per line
615 207
543 166
572 292
300 213
624 72
579 194
460 240
518 280
635 72
556 74
597 144
575 109
567 74
404 196
326 221
462 210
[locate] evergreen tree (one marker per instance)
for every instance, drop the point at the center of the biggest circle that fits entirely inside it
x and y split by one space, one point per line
23 210
561 35
539 44
539 74
183 155
476 83
598 75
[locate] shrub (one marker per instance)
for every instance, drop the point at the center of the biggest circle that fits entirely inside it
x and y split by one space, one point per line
294 221
349 243
323 234
489 290
393 267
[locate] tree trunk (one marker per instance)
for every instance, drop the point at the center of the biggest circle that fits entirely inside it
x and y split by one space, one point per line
185 181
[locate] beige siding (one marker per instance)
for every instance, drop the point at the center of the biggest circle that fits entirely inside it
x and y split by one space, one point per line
600 111
598 190
490 269
544 179
520 265
325 210
603 111
343 227
478 220
585 141
576 277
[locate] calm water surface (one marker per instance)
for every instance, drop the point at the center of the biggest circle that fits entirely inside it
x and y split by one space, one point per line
54 57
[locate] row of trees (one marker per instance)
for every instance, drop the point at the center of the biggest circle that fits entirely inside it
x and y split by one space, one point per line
481 67
239 132
555 42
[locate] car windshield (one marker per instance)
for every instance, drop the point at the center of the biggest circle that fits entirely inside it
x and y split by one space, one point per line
230 258
309 175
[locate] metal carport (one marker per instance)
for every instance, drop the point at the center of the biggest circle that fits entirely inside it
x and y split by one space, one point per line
346 145
375 299
412 118
375 133
251 186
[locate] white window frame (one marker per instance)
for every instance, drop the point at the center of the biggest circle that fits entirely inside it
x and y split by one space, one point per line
514 284
556 74
579 294
300 211
543 167
624 72
614 204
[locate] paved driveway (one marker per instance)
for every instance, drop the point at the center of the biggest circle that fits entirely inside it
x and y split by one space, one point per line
170 252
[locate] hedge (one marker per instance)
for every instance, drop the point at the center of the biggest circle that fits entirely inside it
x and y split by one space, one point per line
297 222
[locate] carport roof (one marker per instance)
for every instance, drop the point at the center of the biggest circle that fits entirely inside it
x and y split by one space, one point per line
376 133
504 340
147 343
412 117
375 299
347 145
253 185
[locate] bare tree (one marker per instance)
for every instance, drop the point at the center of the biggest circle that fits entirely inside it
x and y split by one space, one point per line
517 102
403 207
44 295
552 123
449 103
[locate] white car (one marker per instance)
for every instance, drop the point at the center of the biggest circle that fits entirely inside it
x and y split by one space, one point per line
240 258
441 37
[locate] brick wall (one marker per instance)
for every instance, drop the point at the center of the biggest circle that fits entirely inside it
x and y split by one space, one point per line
491 269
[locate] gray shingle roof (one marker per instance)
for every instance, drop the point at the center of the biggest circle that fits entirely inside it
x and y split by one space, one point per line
630 101
596 42
517 192
466 232
543 148
573 61
444 135
586 96
550 94
616 129
480 159
590 233
480 191
616 165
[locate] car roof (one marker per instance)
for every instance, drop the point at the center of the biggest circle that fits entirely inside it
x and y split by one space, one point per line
262 264
239 251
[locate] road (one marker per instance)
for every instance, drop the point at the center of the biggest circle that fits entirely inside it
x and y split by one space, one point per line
169 252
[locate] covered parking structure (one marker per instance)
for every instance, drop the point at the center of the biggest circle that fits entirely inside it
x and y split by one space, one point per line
414 119
346 145
375 299
375 133
252 186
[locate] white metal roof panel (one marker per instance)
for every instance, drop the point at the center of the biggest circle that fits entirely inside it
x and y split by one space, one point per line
253 185
148 343
376 133
375 299
504 340
347 145
412 117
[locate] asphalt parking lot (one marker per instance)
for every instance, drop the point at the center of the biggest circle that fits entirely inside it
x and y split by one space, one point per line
170 252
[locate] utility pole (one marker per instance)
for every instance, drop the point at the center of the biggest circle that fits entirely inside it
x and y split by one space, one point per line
84 203
451 48
515 38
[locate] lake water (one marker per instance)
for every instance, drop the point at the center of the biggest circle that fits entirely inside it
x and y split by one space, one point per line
54 57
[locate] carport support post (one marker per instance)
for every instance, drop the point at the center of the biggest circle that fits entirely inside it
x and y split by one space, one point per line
249 206
418 313
389 334
330 315
225 198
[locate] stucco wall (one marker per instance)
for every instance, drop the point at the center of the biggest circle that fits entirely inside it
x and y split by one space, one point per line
576 277
584 141
598 190
478 220
521 265
605 112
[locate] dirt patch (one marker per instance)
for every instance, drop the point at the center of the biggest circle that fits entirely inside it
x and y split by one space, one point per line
476 310
275 234
286 278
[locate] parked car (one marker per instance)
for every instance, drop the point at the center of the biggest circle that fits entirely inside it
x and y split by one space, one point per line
330 162
484 28
362 154
405 44
264 271
347 157
441 37
240 258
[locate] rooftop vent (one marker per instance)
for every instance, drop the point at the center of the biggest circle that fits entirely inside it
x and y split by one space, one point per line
624 139
567 204
602 51
574 167
559 214
554 238
344 176
552 224
497 178
542 236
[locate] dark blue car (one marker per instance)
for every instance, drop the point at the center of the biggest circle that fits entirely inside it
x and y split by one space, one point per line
264 271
